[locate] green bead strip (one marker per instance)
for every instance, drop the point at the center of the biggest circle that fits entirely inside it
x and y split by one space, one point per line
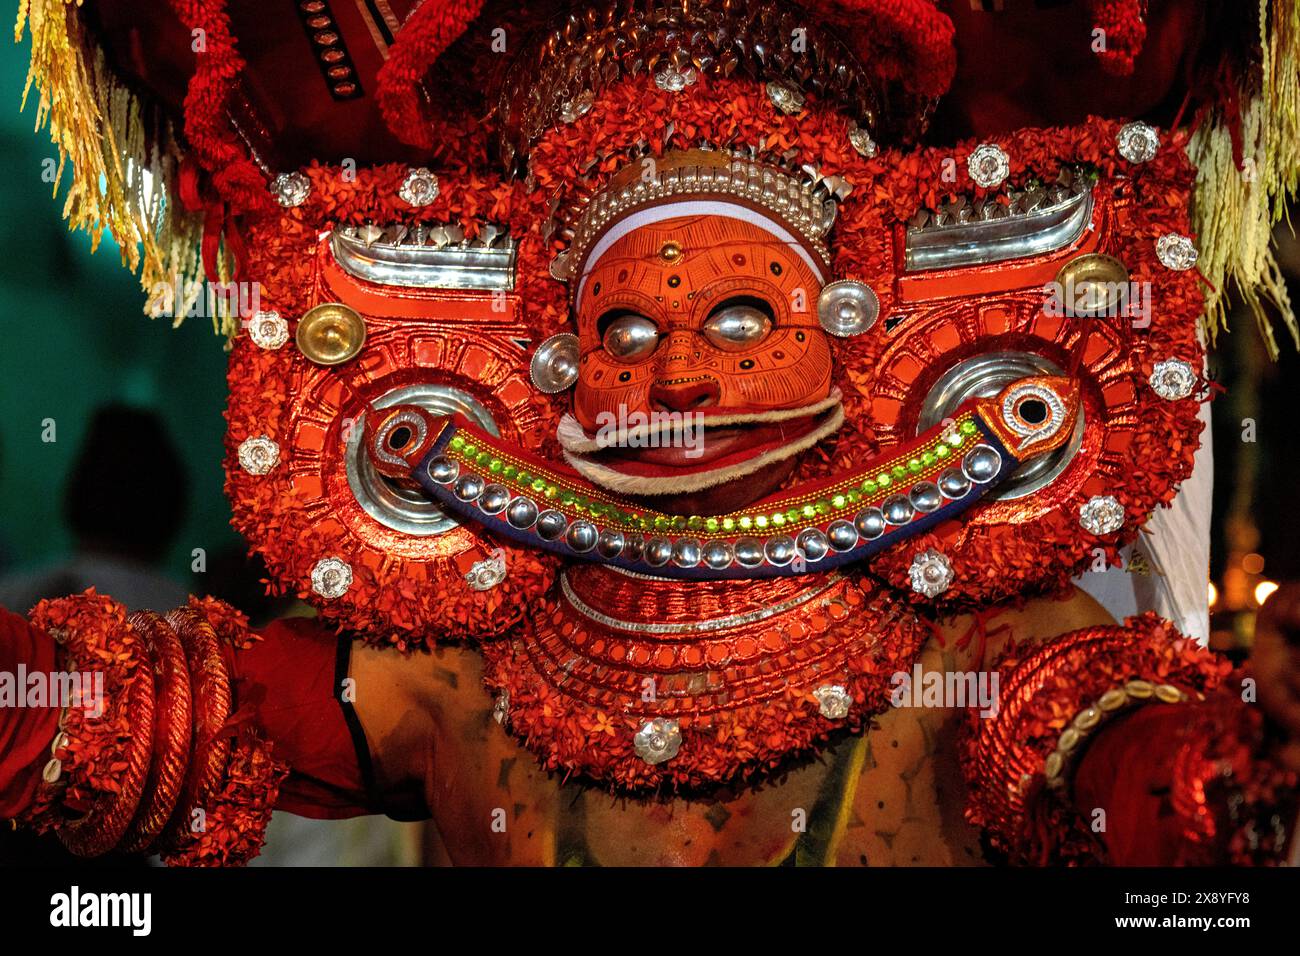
842 500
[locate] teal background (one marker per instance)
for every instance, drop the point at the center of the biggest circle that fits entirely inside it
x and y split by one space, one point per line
73 337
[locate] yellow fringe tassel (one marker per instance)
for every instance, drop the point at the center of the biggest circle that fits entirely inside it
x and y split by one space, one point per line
124 159
1237 209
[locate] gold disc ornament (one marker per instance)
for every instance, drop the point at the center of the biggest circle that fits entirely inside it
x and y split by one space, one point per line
331 333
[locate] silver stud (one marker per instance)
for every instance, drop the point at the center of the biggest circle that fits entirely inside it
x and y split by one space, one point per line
1173 379
658 552
468 487
988 165
847 307
610 544
953 483
1101 514
842 535
291 189
1137 142
420 187
634 547
486 574
749 553
581 536
833 701
981 464
268 330
1176 252
780 550
925 497
258 455
719 555
331 578
686 552
550 525
555 363
898 509
672 80
813 544
930 573
494 499
658 740
861 140
559 267
521 513
443 470
870 523
785 98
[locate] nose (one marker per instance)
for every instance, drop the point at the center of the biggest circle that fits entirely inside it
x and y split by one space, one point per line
684 394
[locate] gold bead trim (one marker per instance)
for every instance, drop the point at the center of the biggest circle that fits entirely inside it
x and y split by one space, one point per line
1115 701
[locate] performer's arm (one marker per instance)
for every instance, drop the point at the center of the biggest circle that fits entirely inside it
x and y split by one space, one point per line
182 733
1126 745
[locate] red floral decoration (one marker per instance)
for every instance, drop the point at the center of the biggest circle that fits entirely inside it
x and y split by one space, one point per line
212 140
1136 447
104 758
578 690
428 32
406 589
232 828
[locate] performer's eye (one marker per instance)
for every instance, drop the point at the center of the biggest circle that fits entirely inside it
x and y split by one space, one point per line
628 337
738 324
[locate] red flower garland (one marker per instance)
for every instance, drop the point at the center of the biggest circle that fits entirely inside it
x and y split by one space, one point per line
215 145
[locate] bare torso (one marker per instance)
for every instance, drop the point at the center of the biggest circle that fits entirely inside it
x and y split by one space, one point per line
893 796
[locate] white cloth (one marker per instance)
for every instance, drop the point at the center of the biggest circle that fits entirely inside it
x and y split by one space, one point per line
1175 546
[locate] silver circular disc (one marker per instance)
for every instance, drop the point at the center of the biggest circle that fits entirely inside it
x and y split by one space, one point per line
847 308
554 366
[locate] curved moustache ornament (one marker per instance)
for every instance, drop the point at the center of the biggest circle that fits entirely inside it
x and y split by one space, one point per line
815 526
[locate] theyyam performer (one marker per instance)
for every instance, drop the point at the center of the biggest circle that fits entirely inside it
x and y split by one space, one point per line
698 425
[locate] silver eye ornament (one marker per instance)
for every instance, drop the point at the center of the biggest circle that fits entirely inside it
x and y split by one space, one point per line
630 338
736 328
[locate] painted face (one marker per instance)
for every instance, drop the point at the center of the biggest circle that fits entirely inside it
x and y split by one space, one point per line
706 313
709 321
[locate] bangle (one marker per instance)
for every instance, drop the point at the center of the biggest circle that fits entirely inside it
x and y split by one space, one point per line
1085 723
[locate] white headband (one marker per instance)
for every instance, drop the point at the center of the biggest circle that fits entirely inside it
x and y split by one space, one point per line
693 207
